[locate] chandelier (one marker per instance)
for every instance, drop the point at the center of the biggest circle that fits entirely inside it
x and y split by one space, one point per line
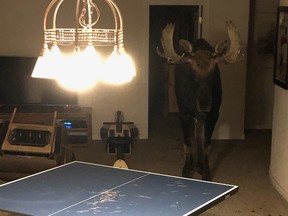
81 68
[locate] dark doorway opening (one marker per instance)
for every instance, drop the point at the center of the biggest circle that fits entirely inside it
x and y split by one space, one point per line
188 27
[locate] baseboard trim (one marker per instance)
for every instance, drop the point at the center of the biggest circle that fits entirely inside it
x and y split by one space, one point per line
278 187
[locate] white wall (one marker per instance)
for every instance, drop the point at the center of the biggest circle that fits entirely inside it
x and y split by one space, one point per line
279 149
21 27
132 99
259 84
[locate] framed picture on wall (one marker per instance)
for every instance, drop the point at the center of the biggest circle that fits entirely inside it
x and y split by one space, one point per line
281 55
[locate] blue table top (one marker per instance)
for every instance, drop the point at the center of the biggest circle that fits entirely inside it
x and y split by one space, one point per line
80 188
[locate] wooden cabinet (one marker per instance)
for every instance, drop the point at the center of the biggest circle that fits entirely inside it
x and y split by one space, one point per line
78 126
77 120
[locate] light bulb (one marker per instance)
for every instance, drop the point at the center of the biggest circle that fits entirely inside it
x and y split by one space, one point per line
79 73
42 68
57 61
119 68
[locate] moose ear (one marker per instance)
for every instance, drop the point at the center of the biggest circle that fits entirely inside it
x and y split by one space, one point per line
221 47
185 45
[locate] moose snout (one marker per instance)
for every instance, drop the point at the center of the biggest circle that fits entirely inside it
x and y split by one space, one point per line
204 95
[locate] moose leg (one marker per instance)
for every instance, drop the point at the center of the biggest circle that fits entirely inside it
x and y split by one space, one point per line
209 126
205 163
187 123
203 150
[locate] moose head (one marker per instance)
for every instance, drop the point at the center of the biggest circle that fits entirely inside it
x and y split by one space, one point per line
202 58
229 52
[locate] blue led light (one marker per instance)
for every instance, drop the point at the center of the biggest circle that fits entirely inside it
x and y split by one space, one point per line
68 124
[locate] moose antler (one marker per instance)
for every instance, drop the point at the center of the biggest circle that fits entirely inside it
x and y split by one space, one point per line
168 46
232 52
229 52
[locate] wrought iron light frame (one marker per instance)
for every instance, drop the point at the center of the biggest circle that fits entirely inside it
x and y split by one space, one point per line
84 34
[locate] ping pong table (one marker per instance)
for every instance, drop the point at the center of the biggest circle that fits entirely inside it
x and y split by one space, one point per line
81 188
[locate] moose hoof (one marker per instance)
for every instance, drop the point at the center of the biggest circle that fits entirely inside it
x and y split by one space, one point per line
199 169
206 176
186 172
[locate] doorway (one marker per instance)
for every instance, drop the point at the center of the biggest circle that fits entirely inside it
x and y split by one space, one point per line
188 27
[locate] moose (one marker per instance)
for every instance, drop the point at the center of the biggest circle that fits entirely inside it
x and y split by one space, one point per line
198 90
